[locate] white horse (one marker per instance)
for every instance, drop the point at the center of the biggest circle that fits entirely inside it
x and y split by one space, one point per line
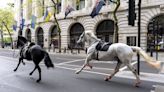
116 51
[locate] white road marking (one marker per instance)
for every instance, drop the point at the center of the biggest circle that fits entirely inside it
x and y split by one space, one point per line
70 61
158 78
63 58
125 67
106 62
83 70
99 68
127 74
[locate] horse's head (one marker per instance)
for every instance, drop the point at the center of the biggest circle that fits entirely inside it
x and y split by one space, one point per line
21 41
88 36
81 38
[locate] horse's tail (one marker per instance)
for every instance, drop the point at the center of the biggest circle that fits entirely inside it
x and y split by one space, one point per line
47 60
148 59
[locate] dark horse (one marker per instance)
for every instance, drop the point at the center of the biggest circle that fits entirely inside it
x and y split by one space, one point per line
31 51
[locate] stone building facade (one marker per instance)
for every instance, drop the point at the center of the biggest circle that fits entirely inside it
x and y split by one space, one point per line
79 20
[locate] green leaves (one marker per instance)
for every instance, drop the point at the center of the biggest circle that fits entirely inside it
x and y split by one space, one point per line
6 15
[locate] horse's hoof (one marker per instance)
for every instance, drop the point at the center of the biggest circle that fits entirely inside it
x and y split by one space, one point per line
108 78
30 74
24 63
137 84
15 70
77 72
38 80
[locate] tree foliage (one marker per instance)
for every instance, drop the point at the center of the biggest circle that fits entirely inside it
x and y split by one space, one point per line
6 16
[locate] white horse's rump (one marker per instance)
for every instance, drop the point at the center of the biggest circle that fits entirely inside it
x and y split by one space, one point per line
117 51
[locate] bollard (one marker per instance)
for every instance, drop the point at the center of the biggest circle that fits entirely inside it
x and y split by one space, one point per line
78 51
64 49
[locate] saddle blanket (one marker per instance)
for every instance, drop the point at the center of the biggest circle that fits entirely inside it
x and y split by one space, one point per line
103 46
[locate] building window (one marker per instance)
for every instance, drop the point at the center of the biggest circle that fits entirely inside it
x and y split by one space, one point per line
105 30
131 40
80 4
75 32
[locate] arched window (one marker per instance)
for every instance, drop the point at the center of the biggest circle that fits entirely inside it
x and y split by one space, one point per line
105 30
80 4
40 37
75 32
28 34
54 37
155 35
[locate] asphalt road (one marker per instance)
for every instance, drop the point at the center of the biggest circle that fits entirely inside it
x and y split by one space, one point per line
63 78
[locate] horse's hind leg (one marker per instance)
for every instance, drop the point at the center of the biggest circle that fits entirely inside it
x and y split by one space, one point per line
119 63
39 70
20 60
23 62
135 73
32 71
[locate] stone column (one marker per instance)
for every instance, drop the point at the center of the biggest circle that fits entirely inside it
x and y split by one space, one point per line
63 5
51 8
72 3
34 8
88 3
18 10
93 3
38 8
25 10
18 14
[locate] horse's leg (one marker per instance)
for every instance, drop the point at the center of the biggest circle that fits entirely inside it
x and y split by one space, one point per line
85 64
119 63
135 73
23 62
20 60
39 70
32 71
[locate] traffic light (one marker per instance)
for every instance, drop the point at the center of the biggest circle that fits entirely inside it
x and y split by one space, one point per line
131 13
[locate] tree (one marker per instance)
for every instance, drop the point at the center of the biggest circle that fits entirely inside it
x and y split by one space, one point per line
115 36
6 19
57 23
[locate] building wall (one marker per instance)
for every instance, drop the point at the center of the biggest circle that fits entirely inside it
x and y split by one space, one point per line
150 9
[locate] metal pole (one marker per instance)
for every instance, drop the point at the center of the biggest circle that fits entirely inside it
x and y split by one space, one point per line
139 34
157 40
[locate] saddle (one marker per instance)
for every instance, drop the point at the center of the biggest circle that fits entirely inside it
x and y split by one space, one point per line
103 46
26 51
28 54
